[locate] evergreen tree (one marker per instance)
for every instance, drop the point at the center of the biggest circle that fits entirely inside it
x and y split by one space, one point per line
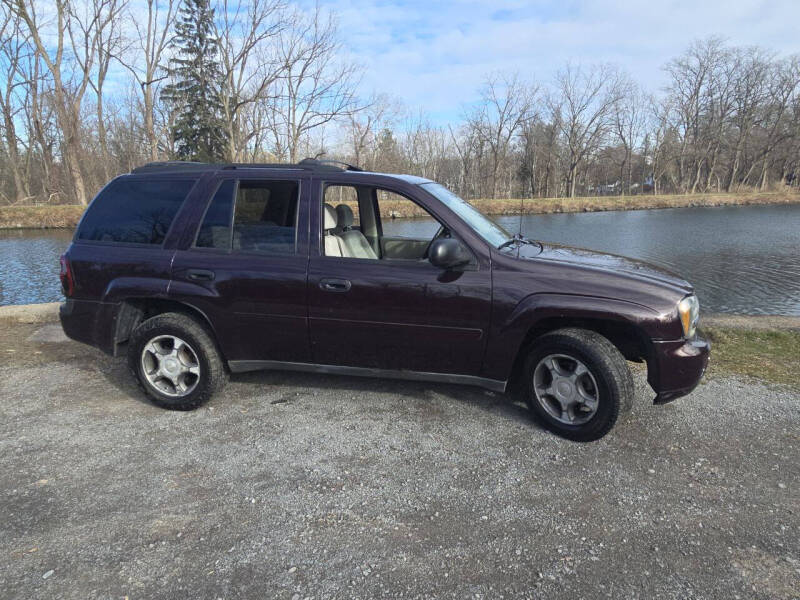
194 93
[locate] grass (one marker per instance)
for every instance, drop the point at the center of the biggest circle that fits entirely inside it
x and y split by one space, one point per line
67 216
606 203
767 354
62 216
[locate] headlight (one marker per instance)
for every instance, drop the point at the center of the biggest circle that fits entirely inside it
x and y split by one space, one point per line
689 312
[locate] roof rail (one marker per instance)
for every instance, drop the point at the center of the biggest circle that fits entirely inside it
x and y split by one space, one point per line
327 164
307 164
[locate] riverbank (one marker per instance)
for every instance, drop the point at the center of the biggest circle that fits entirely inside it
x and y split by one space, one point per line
67 216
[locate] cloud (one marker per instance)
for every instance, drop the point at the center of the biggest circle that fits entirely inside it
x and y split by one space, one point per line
434 54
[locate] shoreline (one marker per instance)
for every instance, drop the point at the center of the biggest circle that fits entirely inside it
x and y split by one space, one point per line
67 216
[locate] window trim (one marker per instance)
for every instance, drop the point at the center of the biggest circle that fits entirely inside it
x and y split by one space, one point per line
230 250
77 240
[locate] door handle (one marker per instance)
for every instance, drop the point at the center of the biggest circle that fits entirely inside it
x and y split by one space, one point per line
335 285
200 274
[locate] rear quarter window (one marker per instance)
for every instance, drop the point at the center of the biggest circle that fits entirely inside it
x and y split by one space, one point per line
134 211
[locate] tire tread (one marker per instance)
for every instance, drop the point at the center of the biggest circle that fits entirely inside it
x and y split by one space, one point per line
217 376
607 357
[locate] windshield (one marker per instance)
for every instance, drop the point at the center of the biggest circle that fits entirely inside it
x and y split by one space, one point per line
480 223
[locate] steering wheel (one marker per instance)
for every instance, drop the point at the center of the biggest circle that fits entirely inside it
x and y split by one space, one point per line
443 232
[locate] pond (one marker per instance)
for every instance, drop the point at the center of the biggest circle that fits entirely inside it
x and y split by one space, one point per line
741 259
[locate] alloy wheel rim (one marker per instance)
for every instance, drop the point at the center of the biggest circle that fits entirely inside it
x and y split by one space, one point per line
566 389
170 366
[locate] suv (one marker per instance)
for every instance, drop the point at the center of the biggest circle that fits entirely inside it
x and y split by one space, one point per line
201 270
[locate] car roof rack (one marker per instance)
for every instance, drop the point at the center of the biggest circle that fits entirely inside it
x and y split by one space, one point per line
307 164
317 163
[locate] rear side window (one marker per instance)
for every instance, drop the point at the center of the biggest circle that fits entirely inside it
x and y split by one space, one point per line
215 232
265 217
133 210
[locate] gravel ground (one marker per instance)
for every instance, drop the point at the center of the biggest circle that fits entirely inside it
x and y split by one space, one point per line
297 486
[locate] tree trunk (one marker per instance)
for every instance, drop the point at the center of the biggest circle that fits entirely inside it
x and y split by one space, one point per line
149 124
765 174
20 186
72 151
573 175
101 134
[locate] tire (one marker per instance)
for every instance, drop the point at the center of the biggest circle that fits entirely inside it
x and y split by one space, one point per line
577 404
191 374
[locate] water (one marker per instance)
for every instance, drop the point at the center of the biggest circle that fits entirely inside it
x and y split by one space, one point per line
29 265
742 259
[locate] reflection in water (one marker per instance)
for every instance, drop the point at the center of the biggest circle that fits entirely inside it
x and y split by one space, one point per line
741 259
29 265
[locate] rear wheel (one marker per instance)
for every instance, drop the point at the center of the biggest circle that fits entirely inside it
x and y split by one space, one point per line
175 361
576 382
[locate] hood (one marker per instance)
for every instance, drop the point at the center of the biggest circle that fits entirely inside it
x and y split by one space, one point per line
612 263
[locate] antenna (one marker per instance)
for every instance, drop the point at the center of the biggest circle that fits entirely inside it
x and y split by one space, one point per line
521 208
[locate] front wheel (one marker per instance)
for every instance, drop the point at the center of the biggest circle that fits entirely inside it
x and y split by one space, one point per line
175 361
576 382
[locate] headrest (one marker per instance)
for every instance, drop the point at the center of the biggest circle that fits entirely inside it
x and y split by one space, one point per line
330 220
344 215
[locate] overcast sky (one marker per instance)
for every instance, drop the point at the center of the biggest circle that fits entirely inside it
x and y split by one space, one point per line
433 54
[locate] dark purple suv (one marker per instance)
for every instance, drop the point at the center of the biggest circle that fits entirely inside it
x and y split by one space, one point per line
198 270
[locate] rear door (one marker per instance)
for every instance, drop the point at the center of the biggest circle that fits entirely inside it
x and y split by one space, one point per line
245 267
390 313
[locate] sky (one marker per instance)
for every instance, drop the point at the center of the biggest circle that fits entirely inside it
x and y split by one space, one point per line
433 55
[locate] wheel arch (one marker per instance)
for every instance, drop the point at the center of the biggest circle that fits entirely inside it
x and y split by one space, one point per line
134 311
630 340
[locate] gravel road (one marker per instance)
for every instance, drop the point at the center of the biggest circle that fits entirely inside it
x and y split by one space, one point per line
298 486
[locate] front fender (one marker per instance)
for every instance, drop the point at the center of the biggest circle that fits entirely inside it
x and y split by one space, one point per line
509 330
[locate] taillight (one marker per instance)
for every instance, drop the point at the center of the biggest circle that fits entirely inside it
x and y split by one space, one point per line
67 280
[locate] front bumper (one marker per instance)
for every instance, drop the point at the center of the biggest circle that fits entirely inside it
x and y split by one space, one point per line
676 367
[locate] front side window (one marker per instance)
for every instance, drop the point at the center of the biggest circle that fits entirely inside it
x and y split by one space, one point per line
134 210
402 218
368 222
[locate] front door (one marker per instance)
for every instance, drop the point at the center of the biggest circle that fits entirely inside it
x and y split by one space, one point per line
246 268
389 313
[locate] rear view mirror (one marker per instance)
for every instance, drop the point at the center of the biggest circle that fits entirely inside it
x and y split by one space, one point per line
447 253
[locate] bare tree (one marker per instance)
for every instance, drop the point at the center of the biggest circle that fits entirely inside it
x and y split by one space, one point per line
144 56
14 43
362 129
99 24
246 30
315 88
504 108
583 103
69 87
629 124
753 70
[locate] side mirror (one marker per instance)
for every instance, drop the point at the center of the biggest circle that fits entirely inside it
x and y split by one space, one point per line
447 253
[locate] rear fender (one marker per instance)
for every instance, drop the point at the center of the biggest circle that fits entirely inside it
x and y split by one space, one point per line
125 288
